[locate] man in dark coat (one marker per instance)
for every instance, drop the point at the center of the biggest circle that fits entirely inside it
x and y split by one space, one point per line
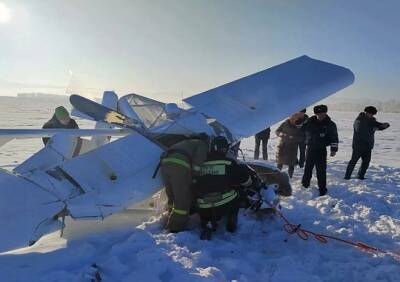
364 127
302 145
60 119
262 136
320 132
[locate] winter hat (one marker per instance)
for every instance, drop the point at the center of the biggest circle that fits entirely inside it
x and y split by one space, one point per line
319 109
371 110
303 111
61 113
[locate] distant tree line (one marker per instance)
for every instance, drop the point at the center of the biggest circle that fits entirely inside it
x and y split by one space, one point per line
389 106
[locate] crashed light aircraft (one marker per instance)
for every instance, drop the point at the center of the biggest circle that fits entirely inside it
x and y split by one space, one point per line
95 178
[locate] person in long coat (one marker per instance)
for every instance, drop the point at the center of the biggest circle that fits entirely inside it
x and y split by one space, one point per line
290 137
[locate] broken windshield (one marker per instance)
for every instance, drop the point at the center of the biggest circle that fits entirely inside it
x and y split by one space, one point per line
149 111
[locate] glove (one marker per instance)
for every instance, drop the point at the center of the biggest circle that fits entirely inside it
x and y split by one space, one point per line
386 125
333 153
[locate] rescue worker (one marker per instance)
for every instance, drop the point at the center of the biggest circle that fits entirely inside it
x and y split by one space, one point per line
364 127
320 132
263 137
217 188
60 119
290 137
178 165
302 144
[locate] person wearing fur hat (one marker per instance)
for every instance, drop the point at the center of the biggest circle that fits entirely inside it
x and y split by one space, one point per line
60 119
364 127
320 132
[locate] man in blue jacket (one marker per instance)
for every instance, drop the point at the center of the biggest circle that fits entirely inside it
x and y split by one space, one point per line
364 126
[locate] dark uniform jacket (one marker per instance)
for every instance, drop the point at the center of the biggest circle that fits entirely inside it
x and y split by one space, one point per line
220 174
364 131
319 134
192 151
55 123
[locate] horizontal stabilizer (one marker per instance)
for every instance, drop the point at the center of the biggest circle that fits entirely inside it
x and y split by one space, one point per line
250 104
99 112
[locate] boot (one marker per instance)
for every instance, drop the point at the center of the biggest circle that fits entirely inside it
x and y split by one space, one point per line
207 228
206 234
305 184
322 192
231 222
290 171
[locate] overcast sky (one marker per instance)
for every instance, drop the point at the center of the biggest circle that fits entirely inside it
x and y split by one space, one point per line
169 49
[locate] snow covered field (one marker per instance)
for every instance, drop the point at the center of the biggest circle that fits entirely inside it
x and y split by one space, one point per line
367 211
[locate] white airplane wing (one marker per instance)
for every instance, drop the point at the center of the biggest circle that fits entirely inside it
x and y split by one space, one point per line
7 135
250 104
93 185
46 132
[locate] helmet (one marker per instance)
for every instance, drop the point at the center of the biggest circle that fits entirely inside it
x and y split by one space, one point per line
371 110
219 144
61 113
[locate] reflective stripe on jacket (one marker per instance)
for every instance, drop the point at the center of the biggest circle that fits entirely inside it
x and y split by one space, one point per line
177 161
180 212
217 167
212 200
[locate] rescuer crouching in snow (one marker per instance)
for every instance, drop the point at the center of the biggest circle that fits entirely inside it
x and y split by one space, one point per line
217 188
178 165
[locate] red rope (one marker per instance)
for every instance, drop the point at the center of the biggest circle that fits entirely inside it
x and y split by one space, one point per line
304 234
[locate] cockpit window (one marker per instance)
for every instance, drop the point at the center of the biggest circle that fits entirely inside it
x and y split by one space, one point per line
149 111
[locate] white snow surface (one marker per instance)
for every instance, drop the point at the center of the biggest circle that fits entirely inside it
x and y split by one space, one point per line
367 211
